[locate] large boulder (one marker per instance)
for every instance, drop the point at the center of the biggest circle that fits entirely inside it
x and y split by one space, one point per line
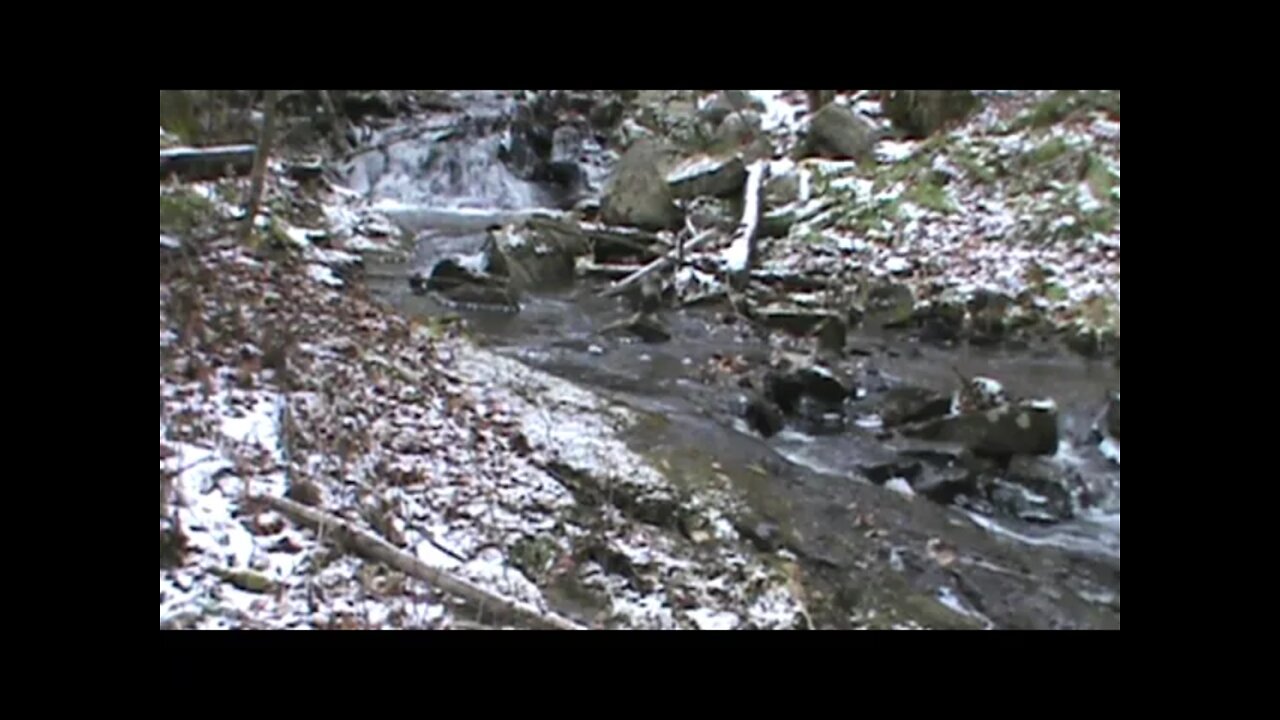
638 194
704 175
1023 428
836 132
920 113
539 254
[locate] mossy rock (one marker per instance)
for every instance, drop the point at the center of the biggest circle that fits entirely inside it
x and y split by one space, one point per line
921 113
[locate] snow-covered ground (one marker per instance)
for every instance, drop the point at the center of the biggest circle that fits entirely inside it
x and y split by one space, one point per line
449 453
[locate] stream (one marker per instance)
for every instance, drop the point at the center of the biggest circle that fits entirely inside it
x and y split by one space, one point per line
451 181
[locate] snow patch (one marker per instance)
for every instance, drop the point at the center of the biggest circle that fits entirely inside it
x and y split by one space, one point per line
323 274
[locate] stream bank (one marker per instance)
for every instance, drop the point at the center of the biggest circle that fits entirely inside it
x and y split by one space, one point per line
808 527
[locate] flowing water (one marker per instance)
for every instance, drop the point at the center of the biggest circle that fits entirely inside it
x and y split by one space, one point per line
448 180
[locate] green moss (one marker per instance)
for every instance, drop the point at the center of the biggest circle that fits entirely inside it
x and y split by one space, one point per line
1103 221
974 167
183 211
1055 292
930 196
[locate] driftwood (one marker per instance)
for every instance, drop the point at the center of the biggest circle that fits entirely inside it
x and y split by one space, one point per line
209 163
658 265
376 548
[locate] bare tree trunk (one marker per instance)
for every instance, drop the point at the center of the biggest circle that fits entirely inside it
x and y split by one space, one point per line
818 98
259 177
338 121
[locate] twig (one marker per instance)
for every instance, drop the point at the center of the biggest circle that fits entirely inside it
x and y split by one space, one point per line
376 548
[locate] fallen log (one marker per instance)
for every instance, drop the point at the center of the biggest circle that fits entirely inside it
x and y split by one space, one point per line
378 549
657 265
741 253
209 163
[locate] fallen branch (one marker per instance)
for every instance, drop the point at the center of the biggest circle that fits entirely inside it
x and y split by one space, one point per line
658 265
613 271
378 549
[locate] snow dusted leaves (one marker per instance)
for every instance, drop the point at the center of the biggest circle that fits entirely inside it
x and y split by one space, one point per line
444 450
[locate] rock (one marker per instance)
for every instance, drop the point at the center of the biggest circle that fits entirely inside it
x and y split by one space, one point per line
1047 487
1019 501
644 326
891 305
738 129
988 311
920 113
764 417
377 103
1025 428
704 175
909 404
607 114
1112 418
716 108
787 389
939 321
797 321
879 472
467 281
777 223
945 484
836 132
832 336
539 254
979 394
706 212
638 195
782 189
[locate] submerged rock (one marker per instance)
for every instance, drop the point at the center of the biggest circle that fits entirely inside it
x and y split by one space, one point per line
1047 486
763 416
